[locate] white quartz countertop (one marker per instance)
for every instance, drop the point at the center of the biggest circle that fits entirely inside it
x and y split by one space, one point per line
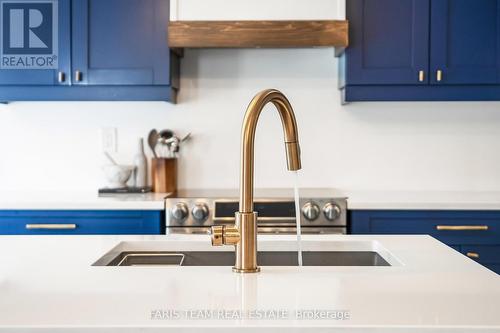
48 284
422 200
376 200
84 200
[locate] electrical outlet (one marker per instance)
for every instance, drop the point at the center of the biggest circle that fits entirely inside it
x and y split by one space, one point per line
108 139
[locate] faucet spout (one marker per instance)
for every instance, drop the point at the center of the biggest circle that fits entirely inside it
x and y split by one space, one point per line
243 235
248 141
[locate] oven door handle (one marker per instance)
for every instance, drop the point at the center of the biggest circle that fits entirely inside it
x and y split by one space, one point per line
270 230
304 230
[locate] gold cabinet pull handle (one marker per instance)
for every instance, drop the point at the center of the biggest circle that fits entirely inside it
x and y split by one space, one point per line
61 77
462 227
473 255
78 76
439 75
421 76
50 226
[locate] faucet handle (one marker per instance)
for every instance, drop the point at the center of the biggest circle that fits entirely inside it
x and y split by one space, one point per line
225 235
217 235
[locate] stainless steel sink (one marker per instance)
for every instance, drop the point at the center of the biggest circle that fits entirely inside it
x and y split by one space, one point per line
221 258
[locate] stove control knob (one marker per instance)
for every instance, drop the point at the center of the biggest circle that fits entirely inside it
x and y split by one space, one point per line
331 211
200 212
180 211
310 211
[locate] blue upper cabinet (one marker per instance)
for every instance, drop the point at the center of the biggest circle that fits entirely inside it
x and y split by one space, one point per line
422 50
120 42
388 41
465 42
112 50
35 42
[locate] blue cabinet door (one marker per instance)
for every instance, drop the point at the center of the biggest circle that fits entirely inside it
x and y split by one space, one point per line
465 41
389 42
29 40
120 42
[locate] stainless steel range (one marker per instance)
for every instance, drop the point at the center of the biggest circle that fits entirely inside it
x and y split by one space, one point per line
196 211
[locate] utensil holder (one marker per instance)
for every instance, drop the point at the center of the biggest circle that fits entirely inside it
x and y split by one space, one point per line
164 175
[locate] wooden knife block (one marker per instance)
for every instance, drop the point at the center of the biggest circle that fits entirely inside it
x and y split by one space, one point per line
164 175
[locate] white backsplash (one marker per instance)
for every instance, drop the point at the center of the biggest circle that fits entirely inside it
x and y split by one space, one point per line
381 146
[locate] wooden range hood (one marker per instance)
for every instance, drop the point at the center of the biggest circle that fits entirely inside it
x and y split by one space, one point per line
258 34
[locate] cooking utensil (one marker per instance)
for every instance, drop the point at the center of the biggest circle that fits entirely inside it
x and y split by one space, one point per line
108 156
163 151
175 142
173 145
164 138
152 141
169 143
166 134
184 139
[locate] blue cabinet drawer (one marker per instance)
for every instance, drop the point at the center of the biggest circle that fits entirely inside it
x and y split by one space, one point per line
485 254
450 227
81 222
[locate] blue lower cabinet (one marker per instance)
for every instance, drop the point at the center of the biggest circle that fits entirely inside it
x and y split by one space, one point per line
493 267
450 227
484 254
81 222
457 229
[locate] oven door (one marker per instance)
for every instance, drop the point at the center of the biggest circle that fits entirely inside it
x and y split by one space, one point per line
265 230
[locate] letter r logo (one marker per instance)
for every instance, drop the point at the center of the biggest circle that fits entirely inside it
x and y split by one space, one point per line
18 28
27 27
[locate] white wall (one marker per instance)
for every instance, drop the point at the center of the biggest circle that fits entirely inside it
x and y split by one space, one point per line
408 146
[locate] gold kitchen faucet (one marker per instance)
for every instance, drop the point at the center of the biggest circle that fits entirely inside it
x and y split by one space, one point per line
243 235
